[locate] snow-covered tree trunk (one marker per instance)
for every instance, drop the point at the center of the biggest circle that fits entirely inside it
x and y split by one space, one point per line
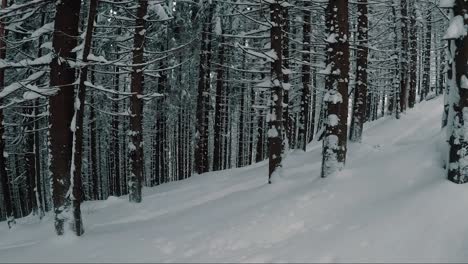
360 91
136 105
457 169
275 116
61 111
335 140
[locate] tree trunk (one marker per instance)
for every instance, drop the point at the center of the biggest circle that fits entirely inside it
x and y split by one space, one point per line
335 140
413 66
136 106
5 183
305 97
457 170
427 57
203 98
61 110
79 117
404 55
275 120
360 91
218 126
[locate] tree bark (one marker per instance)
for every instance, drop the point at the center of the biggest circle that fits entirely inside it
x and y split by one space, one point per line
203 98
427 57
403 56
5 183
218 126
457 170
360 91
305 96
61 110
335 140
275 120
79 117
136 106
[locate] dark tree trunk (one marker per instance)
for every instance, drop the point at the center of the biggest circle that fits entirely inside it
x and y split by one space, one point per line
3 171
61 110
360 91
305 96
335 140
457 170
427 57
404 56
286 85
115 138
93 145
260 148
79 117
161 131
241 129
413 66
218 125
203 98
276 122
136 106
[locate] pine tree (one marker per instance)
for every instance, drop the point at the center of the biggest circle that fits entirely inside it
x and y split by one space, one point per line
136 105
360 91
335 139
61 108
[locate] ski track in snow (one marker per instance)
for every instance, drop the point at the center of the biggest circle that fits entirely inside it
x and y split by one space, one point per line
391 203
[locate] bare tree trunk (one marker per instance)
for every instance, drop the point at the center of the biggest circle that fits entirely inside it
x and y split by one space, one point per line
288 129
79 117
335 140
305 99
203 98
276 122
218 126
413 56
360 92
427 57
62 77
404 55
3 171
136 106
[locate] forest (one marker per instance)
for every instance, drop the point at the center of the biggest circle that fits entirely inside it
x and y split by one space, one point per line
108 98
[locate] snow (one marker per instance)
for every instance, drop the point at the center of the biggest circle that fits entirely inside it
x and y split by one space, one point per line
43 30
218 28
391 203
446 3
456 28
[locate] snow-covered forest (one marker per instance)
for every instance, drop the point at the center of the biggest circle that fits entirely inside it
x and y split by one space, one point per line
233 131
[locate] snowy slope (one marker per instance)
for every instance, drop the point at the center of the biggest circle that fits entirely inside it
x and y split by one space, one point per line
391 203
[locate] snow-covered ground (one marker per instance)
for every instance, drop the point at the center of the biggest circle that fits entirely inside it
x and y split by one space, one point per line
392 203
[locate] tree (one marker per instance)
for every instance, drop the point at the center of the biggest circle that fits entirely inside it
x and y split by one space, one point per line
305 99
3 171
136 105
335 139
403 56
360 91
275 118
457 170
203 98
61 108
